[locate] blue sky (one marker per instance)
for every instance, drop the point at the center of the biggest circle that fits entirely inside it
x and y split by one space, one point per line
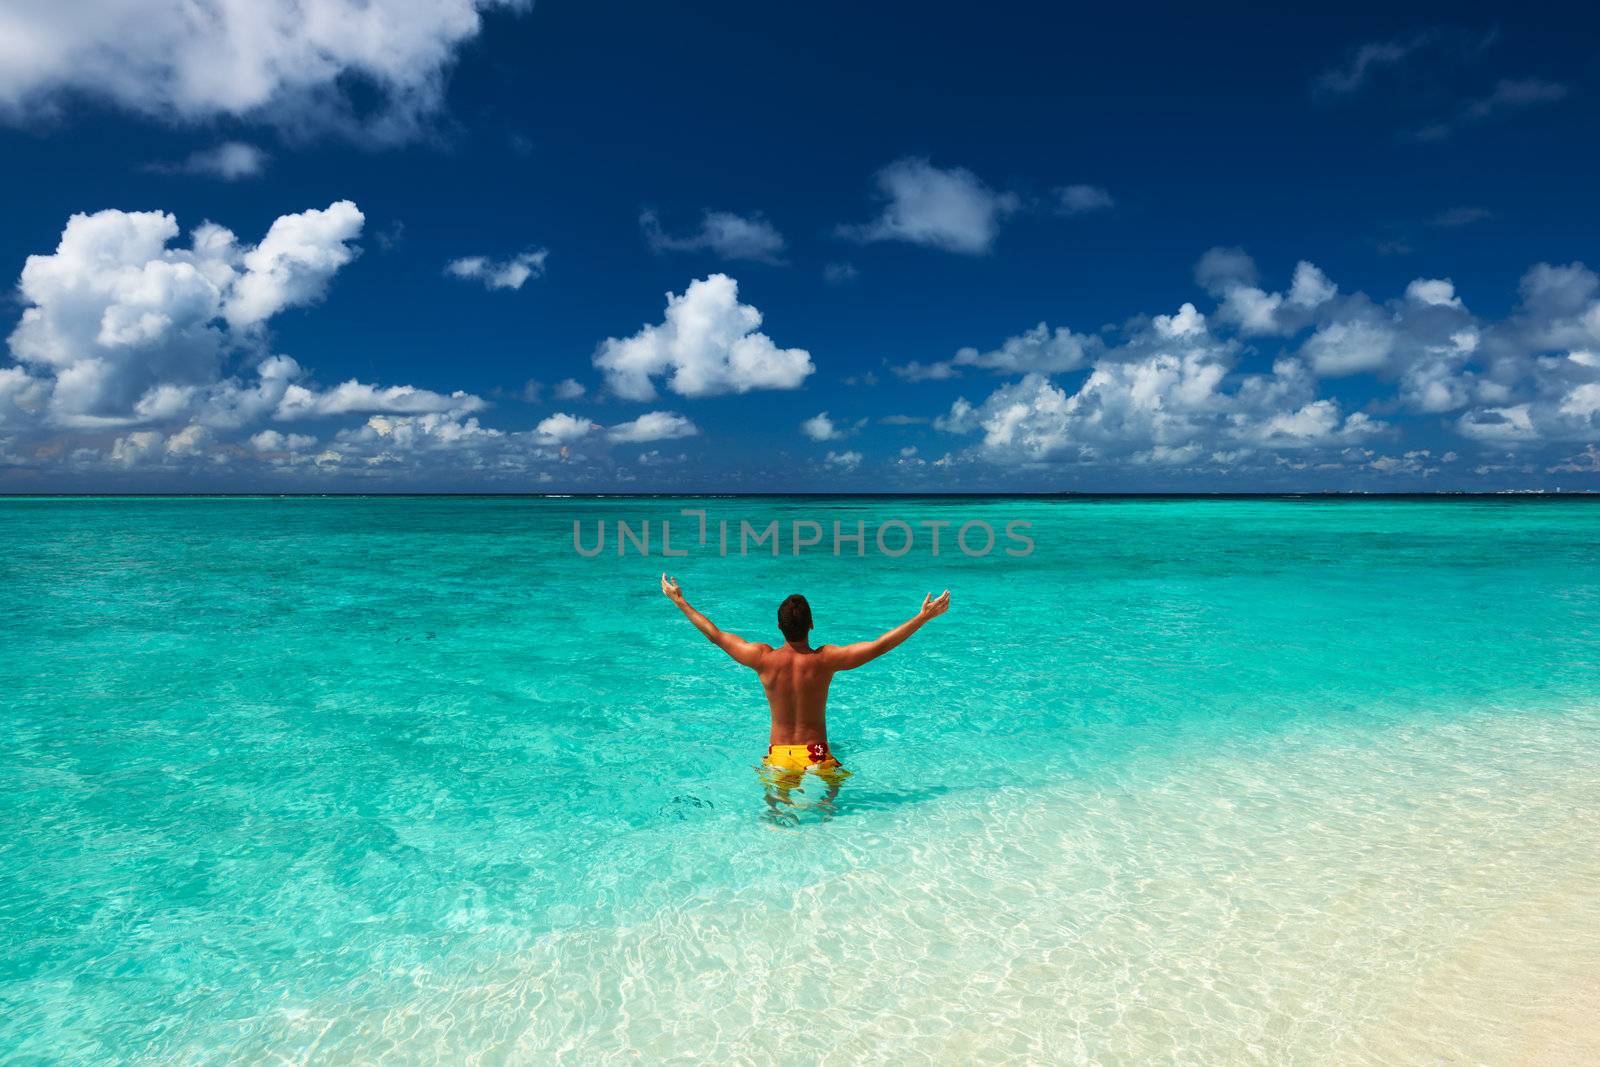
1269 251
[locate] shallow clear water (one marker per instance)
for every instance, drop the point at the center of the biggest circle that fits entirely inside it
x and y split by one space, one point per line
1197 781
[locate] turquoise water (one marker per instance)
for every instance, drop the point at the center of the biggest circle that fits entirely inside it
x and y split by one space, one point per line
336 780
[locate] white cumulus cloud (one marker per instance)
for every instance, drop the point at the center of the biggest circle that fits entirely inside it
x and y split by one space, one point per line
353 397
820 427
848 461
1082 199
1039 349
1505 425
562 428
1230 274
136 447
947 208
1176 381
721 232
383 438
1434 292
22 396
500 273
293 63
273 441
709 343
114 313
652 426
1310 288
1170 395
1350 346
294 262
229 161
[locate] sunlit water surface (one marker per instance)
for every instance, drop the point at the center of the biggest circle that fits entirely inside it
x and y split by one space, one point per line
341 780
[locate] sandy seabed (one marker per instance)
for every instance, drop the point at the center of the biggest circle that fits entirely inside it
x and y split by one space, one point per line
1428 896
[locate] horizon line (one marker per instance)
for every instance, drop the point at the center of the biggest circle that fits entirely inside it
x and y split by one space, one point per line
723 494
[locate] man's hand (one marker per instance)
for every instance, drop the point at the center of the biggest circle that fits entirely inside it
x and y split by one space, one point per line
934 606
669 589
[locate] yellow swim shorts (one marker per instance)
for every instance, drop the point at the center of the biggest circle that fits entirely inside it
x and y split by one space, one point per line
801 757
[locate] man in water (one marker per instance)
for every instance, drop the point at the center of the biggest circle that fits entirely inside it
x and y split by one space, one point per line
796 676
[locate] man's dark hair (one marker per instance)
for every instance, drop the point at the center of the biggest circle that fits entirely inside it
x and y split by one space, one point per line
794 617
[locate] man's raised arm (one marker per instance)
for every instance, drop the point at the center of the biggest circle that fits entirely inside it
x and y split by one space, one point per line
849 657
742 651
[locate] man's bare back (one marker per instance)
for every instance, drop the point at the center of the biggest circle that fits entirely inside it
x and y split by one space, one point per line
796 676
